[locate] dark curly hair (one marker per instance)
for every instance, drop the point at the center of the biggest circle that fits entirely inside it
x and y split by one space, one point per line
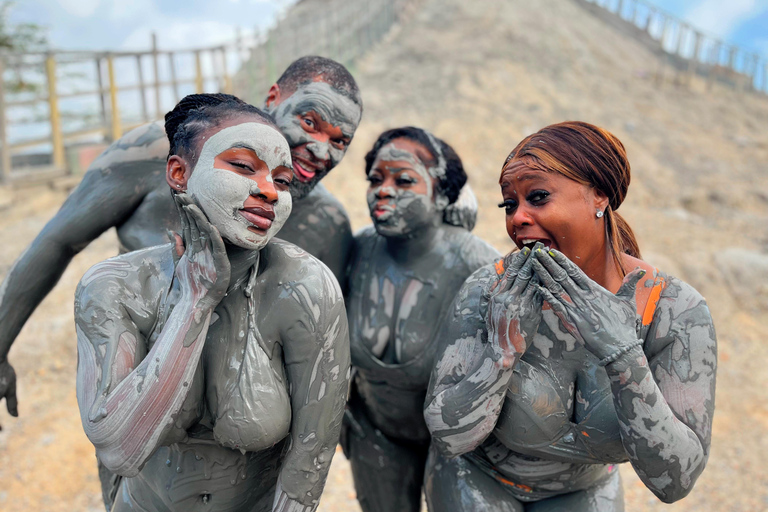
198 112
449 185
311 68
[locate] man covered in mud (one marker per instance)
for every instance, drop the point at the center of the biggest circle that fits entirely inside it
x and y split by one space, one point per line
316 104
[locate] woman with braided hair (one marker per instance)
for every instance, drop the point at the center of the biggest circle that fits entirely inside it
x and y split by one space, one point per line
405 270
571 355
212 371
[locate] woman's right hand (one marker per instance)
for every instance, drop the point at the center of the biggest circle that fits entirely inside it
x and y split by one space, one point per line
514 308
203 266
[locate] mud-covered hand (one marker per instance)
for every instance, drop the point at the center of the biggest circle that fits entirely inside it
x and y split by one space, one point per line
604 322
514 308
203 266
8 387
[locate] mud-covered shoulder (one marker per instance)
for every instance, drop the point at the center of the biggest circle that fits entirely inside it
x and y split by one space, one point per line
321 207
681 314
132 284
470 304
288 266
476 252
145 143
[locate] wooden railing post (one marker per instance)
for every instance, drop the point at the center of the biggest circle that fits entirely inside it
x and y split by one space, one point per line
102 104
117 129
174 81
5 156
155 58
224 72
142 90
57 140
198 73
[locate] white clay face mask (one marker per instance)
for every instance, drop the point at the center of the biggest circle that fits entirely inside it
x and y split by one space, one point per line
221 193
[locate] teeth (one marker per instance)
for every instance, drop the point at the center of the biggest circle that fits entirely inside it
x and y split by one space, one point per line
529 241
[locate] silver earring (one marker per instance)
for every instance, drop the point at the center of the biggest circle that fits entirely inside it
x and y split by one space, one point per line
599 213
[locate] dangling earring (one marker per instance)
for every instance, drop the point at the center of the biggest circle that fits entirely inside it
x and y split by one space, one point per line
599 213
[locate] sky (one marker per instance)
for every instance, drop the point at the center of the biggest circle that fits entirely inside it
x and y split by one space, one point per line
127 24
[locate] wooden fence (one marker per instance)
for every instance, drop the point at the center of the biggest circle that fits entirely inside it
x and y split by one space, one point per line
688 50
54 102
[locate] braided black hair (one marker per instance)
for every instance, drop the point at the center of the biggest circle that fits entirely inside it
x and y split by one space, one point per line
311 68
455 177
197 112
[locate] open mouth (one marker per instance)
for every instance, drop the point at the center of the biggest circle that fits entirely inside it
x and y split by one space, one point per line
302 173
531 242
261 218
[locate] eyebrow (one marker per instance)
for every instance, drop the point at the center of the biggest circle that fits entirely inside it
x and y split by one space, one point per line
528 176
242 145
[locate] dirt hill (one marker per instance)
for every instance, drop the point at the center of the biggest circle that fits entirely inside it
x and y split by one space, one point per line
482 75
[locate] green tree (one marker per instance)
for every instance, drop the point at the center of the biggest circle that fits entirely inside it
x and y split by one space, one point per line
20 37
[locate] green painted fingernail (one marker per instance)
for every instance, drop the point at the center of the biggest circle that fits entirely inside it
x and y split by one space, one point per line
526 250
551 253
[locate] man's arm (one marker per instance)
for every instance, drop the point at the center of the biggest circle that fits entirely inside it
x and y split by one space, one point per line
316 354
110 191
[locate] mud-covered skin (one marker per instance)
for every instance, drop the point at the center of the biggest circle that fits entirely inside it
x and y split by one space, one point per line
395 302
565 419
457 481
284 370
125 188
320 225
334 108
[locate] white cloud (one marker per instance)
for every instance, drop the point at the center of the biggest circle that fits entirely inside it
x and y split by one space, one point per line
721 18
79 8
127 11
175 34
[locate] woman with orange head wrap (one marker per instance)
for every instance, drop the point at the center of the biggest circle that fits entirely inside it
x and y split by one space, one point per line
572 354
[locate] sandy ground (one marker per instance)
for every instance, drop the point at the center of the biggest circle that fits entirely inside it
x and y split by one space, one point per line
481 76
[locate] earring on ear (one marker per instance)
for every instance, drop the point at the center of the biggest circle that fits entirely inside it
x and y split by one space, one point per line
599 213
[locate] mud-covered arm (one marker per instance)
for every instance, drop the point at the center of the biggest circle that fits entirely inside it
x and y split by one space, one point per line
316 355
128 403
109 192
663 387
478 351
665 397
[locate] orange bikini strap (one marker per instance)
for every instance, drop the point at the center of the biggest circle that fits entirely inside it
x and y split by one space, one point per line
653 299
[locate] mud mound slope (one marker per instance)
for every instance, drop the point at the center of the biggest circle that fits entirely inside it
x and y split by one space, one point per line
482 75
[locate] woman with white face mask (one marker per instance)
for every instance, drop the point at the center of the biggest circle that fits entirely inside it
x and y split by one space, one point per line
404 272
198 359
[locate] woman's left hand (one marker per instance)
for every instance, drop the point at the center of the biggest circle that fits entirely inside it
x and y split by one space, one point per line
604 322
